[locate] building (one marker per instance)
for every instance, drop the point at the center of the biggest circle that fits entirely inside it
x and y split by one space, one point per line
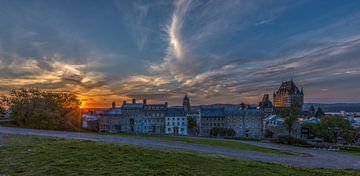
211 118
245 122
273 127
266 105
288 95
154 120
143 117
90 120
186 104
132 117
176 121
110 120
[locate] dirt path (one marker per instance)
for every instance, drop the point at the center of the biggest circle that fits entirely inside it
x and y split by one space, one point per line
318 159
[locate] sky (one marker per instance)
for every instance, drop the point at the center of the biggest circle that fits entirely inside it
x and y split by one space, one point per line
215 51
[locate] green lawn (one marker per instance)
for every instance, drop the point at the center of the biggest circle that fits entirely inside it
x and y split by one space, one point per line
32 155
227 143
352 150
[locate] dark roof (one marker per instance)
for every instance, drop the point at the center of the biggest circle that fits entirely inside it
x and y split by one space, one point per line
290 87
311 109
212 112
242 111
175 112
155 106
132 105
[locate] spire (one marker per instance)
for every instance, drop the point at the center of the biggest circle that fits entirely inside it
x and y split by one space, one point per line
113 105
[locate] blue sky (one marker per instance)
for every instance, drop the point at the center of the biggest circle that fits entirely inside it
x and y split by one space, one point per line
215 51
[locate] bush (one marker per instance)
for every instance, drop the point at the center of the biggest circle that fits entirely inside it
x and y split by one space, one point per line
222 132
293 141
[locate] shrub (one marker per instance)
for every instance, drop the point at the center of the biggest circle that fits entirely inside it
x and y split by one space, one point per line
293 141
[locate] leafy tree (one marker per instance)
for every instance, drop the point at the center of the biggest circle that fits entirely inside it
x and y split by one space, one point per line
191 123
331 128
34 108
2 109
291 116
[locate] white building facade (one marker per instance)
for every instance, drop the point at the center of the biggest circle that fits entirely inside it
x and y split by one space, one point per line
176 122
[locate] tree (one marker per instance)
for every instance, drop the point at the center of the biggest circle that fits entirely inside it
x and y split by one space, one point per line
291 116
331 128
34 108
191 123
2 109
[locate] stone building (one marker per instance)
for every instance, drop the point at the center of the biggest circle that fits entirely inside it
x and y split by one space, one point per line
143 117
176 121
288 96
245 123
110 120
211 118
154 120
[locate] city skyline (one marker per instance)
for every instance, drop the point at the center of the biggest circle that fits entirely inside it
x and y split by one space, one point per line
213 51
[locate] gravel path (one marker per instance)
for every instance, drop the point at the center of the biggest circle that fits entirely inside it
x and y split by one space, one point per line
312 159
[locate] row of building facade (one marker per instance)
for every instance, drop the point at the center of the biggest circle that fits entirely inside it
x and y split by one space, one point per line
141 117
160 119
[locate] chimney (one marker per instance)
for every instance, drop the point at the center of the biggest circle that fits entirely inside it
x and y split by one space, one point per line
166 104
113 105
133 100
144 101
124 102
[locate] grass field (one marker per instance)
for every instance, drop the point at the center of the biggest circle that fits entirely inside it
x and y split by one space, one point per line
227 143
31 155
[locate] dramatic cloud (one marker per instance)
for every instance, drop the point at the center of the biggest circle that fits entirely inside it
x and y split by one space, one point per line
214 51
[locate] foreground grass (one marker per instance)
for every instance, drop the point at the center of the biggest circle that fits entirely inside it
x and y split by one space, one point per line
32 155
227 143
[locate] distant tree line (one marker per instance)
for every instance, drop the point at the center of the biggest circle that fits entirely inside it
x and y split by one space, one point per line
34 108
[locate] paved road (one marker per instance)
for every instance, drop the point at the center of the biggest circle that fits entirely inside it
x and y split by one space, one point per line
311 159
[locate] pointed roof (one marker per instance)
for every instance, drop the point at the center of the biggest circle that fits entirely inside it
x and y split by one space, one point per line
311 109
186 97
290 87
265 102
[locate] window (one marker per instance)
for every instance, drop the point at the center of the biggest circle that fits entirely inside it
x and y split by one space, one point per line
183 123
182 129
169 129
168 123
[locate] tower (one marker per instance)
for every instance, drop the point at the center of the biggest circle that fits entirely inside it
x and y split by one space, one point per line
289 95
186 104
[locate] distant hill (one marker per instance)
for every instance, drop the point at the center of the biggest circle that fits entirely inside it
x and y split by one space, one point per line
336 107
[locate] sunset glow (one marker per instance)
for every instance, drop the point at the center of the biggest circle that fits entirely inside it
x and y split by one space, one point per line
213 51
